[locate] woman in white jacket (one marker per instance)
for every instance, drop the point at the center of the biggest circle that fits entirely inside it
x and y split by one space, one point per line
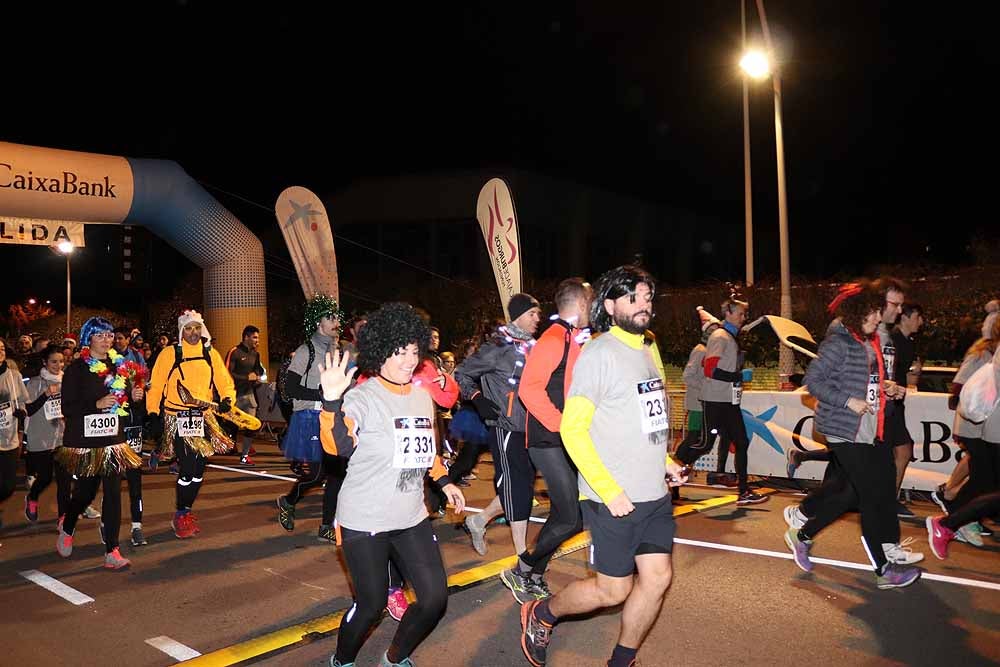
45 432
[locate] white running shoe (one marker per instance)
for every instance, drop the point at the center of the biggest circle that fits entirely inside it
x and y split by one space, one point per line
902 553
794 518
91 513
969 533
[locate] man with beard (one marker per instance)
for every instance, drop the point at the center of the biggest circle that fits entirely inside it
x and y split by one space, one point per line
615 428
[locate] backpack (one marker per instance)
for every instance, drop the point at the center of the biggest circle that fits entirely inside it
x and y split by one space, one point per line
179 358
283 372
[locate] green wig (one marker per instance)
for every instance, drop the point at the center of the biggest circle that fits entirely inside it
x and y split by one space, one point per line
318 307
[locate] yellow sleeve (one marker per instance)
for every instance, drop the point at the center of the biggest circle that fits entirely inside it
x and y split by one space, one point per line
223 380
158 380
575 431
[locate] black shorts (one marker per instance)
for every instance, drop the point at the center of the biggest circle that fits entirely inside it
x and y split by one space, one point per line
616 541
896 433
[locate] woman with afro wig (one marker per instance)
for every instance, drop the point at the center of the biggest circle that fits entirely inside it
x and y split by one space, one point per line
385 428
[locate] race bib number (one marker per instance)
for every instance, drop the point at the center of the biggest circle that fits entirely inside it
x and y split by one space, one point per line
415 446
53 407
653 406
100 425
191 424
6 416
873 391
737 393
133 436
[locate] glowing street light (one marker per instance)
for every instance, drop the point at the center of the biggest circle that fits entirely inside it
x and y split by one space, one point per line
32 301
65 247
755 64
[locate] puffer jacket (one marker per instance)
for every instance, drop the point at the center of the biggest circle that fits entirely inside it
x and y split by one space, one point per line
495 370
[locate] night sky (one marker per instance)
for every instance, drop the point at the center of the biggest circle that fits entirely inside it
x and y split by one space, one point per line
890 144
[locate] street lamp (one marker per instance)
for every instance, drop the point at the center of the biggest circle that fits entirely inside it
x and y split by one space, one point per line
757 66
66 248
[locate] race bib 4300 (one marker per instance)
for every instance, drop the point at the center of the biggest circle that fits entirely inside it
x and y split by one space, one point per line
100 425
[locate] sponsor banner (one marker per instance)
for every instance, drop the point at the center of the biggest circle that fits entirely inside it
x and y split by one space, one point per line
776 421
56 184
306 228
498 221
33 231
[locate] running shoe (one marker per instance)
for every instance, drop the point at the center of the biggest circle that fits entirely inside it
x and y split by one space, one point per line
115 561
138 540
471 477
792 462
902 553
91 513
748 497
969 534
540 588
194 521
794 517
30 510
182 525
904 512
286 514
64 544
937 495
897 576
477 534
535 635
799 549
520 585
938 536
327 534
247 461
405 662
337 663
396 603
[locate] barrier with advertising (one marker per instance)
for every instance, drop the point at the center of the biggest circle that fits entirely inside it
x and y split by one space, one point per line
776 421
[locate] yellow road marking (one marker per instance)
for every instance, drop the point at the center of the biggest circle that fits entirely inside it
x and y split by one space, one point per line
237 653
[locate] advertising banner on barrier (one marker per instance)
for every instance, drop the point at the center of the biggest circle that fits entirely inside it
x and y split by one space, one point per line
34 231
776 421
306 228
497 219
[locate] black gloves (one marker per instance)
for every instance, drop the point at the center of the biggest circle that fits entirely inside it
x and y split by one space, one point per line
485 409
225 405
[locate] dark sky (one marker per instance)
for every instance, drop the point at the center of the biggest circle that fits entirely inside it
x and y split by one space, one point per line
890 145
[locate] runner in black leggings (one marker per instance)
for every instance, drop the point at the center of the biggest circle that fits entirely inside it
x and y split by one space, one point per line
385 426
942 529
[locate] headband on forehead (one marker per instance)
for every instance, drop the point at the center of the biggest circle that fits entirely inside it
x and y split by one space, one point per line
846 292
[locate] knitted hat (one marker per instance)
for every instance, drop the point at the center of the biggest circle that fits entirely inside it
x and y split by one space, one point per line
189 317
520 304
707 319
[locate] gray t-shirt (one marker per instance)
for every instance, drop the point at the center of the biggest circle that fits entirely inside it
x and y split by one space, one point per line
723 345
376 495
624 385
310 380
694 379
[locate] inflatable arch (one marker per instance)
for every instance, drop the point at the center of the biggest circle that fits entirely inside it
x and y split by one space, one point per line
159 195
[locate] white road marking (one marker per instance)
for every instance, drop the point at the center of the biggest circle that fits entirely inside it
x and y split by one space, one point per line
961 581
252 472
278 574
56 586
174 649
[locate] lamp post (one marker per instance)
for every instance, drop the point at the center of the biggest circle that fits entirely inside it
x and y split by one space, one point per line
747 191
757 66
66 248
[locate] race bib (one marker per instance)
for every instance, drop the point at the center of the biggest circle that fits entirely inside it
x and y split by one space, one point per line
653 405
133 436
53 407
100 425
873 391
6 416
415 446
191 424
737 393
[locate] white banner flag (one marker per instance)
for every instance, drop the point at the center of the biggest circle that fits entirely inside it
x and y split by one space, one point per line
498 220
306 228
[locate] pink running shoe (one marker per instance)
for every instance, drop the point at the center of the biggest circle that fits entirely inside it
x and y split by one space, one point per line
64 544
397 604
938 536
115 561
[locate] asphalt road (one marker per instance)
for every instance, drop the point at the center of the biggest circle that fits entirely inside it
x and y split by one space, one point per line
244 577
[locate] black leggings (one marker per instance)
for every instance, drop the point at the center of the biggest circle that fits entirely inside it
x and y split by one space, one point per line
134 478
191 467
869 483
695 444
84 492
726 420
564 513
984 470
8 473
333 469
416 551
468 457
45 468
985 505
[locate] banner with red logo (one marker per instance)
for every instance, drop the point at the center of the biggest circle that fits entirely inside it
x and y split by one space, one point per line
306 228
497 219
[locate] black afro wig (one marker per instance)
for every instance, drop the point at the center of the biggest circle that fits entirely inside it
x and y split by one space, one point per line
391 327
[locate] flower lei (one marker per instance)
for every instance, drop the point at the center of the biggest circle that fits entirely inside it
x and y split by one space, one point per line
125 371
